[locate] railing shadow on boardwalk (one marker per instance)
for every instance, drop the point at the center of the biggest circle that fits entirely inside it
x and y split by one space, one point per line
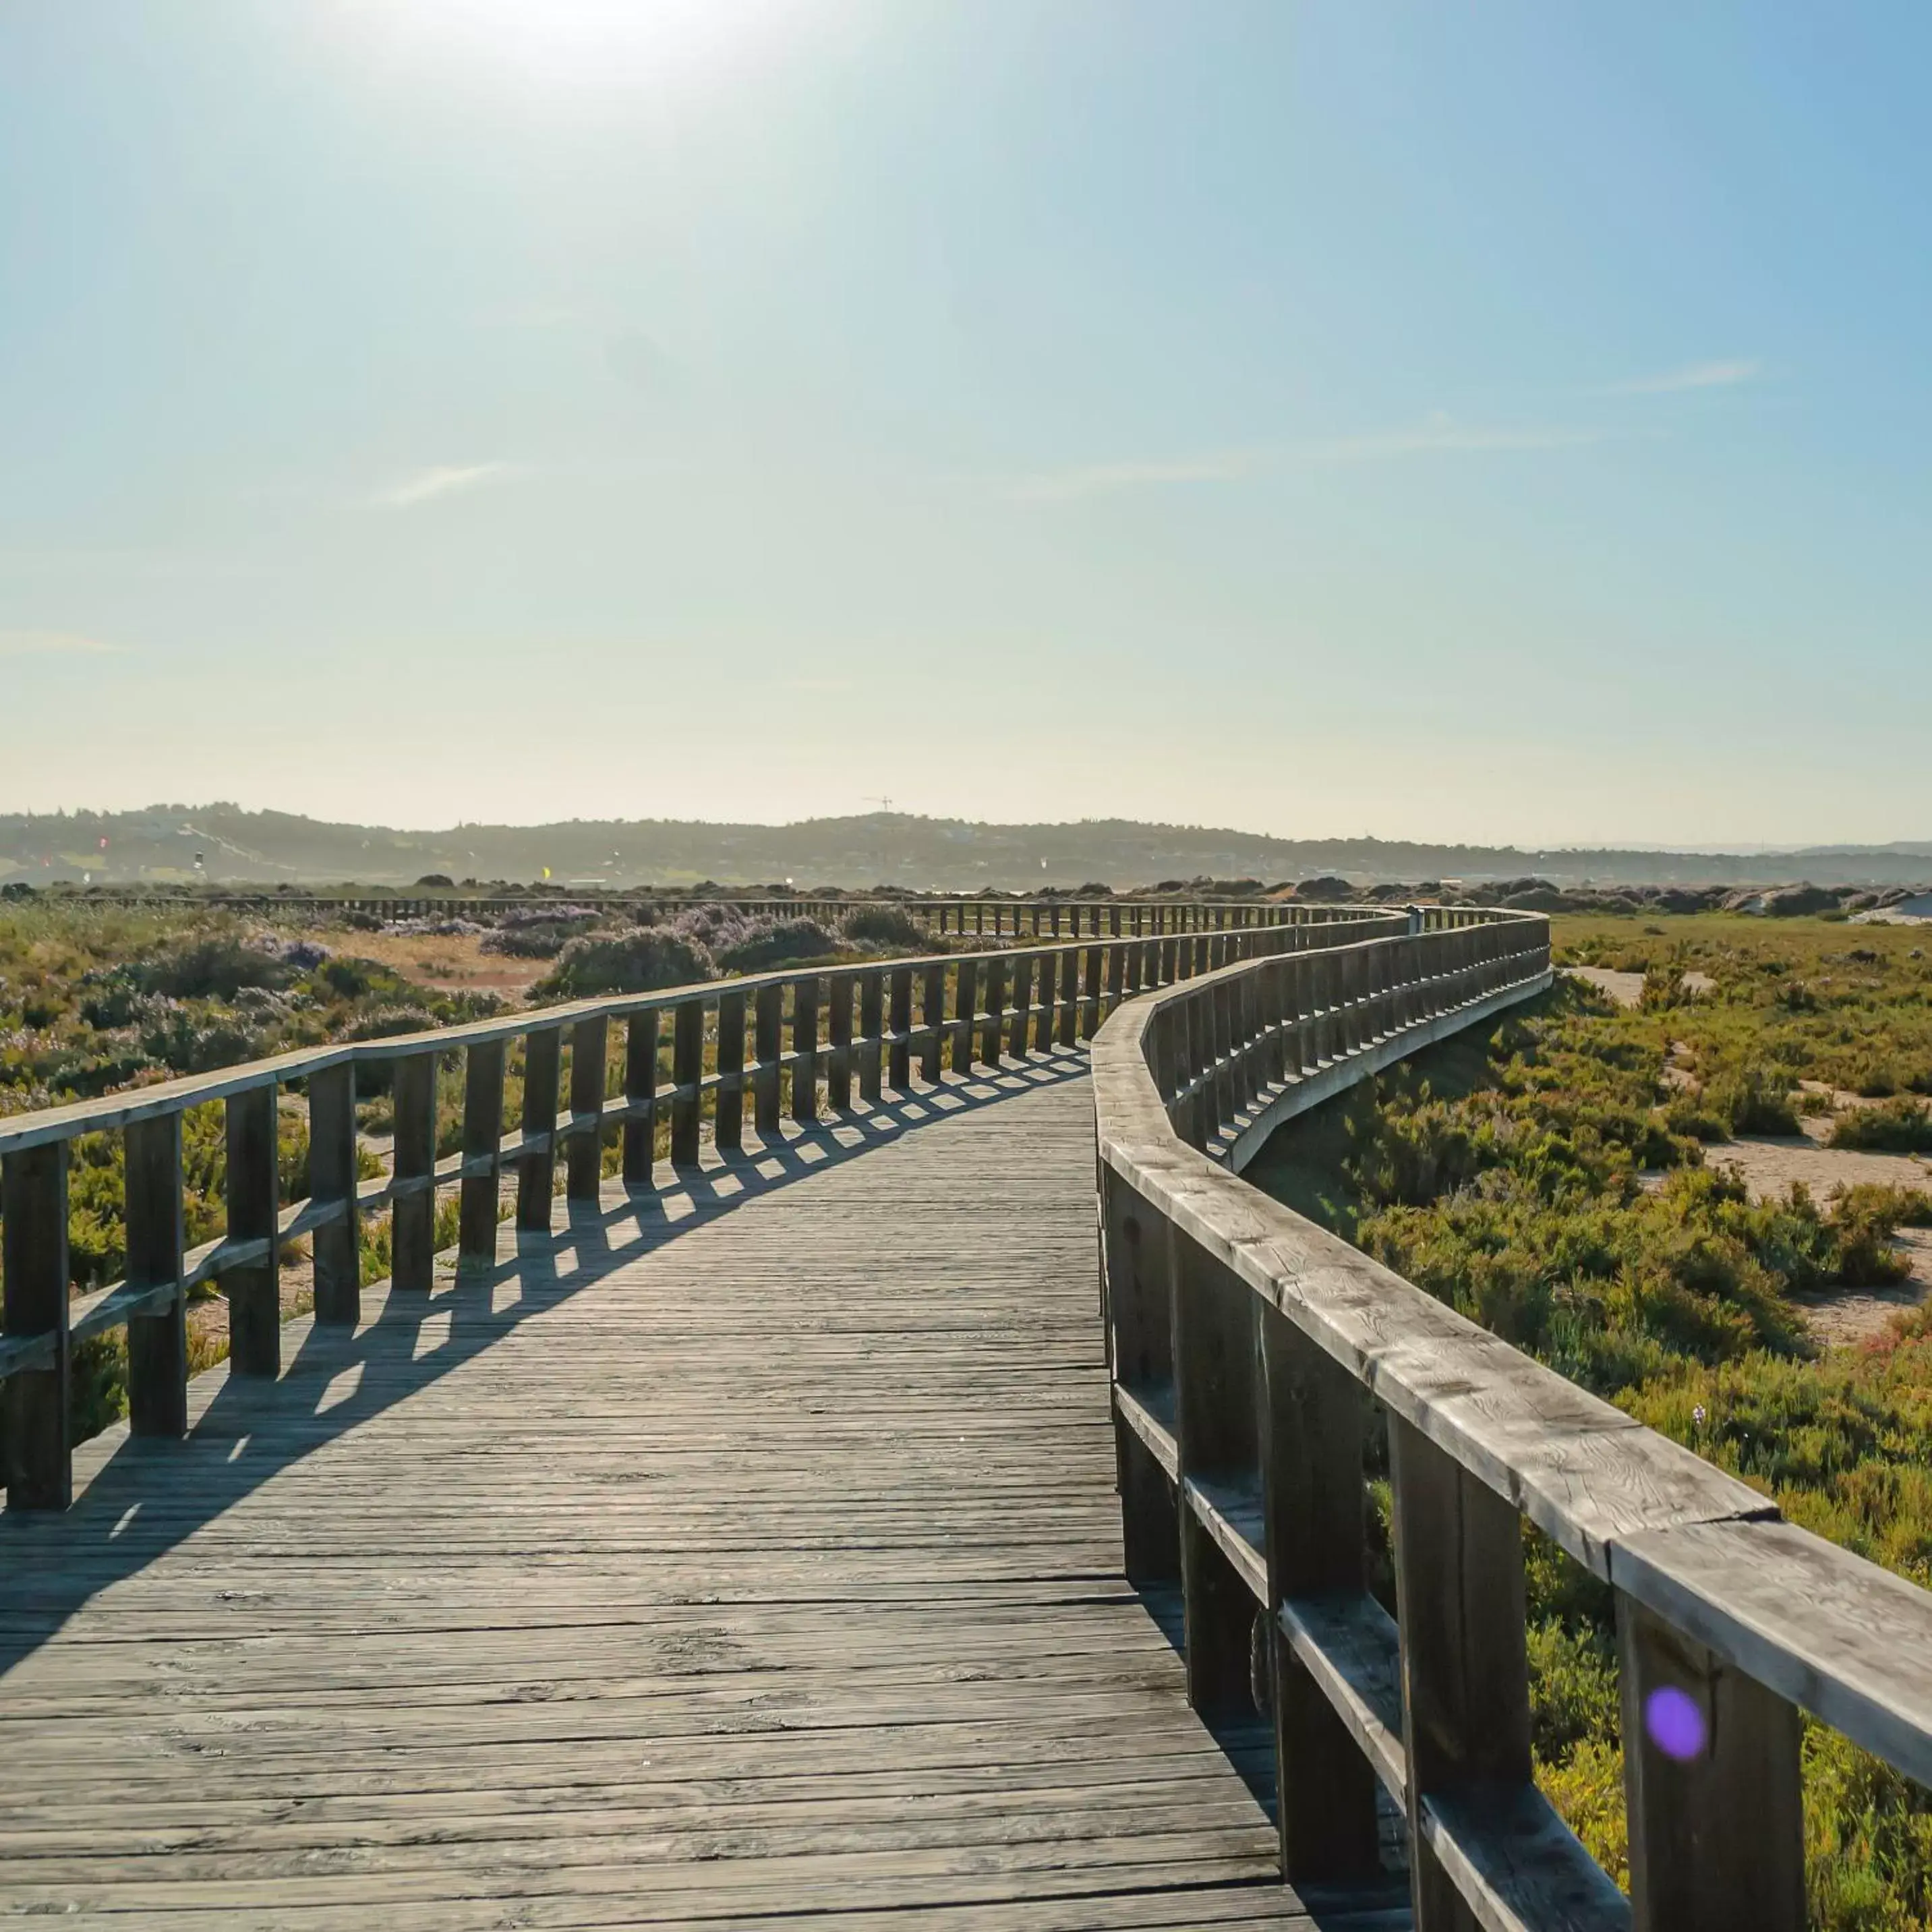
51 1565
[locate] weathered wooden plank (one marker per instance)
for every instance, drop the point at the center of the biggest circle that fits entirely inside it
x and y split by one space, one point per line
254 1290
336 1245
157 1338
34 1461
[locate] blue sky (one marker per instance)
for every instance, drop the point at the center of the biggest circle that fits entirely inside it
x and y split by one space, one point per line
1321 416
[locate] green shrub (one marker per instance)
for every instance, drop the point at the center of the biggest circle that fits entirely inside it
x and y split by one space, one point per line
1753 1100
1900 1126
881 923
766 943
639 960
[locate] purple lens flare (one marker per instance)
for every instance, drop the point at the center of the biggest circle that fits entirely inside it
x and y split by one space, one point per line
1675 1723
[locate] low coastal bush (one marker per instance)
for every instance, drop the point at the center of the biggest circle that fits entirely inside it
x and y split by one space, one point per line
882 924
639 960
1899 1126
764 943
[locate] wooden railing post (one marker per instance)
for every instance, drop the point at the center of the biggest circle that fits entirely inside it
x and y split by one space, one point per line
1711 1784
1021 1023
1089 1009
1460 1600
479 1194
1067 1017
932 1019
1140 1322
536 1168
804 1048
254 1292
966 1007
413 1225
157 1341
584 1165
768 1049
1313 1415
336 1247
1043 1018
728 1125
1215 1433
991 1040
640 1094
687 1071
871 1025
36 1465
838 1062
898 1061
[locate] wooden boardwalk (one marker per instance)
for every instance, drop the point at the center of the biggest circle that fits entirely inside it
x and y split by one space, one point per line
742 1553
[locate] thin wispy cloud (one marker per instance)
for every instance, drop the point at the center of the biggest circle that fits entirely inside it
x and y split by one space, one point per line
1442 435
1722 375
445 479
1060 486
53 644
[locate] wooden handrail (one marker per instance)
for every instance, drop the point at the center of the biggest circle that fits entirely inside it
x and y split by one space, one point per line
1246 1346
1028 994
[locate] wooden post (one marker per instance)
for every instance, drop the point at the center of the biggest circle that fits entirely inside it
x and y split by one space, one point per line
413 1223
254 1292
871 1025
1134 1253
1464 1667
478 1194
157 1341
1312 1417
898 1064
990 1038
338 1248
1022 1017
966 1005
1090 1010
1711 1788
584 1165
804 1048
641 1092
1044 1016
932 1020
728 1122
768 1049
536 1170
1215 1432
1116 970
687 1072
1068 1018
839 1061
35 1462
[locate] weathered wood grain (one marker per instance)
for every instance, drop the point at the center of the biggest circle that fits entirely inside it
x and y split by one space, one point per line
738 1553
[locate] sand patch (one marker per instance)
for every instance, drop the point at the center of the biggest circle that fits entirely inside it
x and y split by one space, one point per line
1768 1168
1626 989
445 962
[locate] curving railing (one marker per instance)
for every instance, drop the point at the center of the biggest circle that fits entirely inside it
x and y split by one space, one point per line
1247 1346
690 1055
1015 916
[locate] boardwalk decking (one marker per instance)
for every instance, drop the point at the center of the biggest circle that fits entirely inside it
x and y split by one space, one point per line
742 1553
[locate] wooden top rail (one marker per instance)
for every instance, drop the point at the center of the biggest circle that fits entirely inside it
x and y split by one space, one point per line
1247 1345
962 912
725 1040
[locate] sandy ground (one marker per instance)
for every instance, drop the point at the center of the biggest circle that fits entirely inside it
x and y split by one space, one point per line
452 963
1626 989
1769 1167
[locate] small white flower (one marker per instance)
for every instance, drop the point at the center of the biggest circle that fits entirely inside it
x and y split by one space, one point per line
1697 1415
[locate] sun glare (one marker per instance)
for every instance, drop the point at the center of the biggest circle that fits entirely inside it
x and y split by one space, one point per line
580 45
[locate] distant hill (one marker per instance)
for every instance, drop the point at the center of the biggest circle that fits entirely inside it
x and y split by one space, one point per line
162 843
